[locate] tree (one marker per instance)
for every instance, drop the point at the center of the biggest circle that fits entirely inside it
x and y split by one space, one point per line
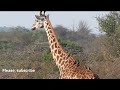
83 31
83 28
61 31
110 24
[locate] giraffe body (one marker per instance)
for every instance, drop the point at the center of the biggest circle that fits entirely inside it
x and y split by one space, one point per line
66 63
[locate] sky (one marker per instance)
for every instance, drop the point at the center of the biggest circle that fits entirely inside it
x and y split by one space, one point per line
64 18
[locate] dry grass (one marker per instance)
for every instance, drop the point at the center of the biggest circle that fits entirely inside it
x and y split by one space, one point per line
27 58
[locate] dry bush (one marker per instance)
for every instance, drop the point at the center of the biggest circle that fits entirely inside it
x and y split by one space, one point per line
102 61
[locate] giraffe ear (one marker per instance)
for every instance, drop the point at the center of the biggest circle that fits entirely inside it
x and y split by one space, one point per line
38 17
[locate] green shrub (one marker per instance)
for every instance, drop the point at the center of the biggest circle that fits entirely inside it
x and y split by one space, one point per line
46 55
6 45
71 46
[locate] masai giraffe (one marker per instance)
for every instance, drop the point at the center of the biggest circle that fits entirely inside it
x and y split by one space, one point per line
66 63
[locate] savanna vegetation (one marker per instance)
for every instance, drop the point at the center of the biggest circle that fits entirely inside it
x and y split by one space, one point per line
21 48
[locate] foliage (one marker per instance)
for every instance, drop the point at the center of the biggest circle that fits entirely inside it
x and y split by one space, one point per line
110 24
46 55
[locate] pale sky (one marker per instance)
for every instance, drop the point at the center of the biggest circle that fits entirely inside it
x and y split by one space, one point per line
64 18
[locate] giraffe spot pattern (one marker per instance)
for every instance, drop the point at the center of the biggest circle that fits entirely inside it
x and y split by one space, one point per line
49 27
55 45
51 41
47 23
56 51
59 51
57 57
50 31
52 36
60 61
54 40
61 55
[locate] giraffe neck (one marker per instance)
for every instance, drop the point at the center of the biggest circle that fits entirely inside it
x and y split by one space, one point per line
59 55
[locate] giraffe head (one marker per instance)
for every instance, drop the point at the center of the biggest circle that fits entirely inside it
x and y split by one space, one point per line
40 21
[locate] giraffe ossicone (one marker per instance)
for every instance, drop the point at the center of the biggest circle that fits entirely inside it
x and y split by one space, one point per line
66 63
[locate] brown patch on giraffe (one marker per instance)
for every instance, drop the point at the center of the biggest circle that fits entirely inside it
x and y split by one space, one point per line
49 34
58 46
55 45
73 74
57 57
59 51
51 41
54 40
62 68
50 31
52 36
47 23
56 51
64 55
61 55
46 26
49 27
60 60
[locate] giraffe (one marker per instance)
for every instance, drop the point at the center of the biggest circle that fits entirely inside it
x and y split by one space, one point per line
68 68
